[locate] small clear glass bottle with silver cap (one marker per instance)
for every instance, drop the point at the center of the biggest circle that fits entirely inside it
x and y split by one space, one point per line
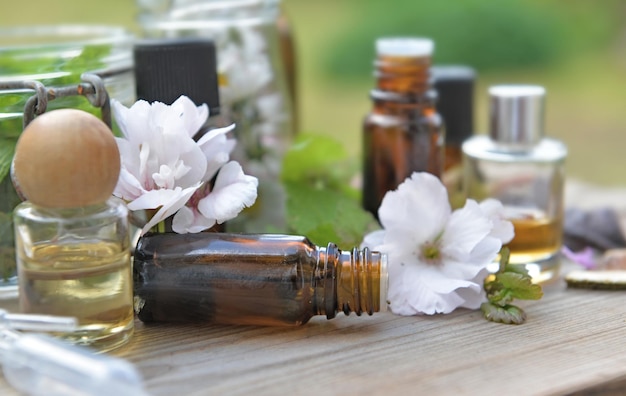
516 164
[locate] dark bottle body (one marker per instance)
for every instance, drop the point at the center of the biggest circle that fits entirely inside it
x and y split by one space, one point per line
246 279
399 138
403 133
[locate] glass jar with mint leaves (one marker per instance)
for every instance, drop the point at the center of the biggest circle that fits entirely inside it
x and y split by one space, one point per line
55 56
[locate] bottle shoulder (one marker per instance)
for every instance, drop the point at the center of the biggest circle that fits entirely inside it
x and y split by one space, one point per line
484 148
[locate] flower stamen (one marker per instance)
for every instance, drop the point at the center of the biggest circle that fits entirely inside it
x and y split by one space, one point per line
430 253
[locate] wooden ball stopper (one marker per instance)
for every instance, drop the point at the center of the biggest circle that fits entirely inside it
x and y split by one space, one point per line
66 158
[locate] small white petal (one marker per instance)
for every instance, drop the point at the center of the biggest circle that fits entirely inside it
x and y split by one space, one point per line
128 187
168 202
193 116
465 229
502 228
232 192
186 220
419 206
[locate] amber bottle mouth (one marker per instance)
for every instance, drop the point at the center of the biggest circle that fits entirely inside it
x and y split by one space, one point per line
361 281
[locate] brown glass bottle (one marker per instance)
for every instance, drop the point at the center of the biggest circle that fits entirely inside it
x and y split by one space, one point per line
403 133
253 279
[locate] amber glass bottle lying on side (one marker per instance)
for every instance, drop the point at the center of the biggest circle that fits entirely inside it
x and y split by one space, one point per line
253 279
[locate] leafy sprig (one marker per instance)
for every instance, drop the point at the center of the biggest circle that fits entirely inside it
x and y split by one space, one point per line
321 203
508 283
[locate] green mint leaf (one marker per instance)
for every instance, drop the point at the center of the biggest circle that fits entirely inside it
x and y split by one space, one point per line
516 268
500 296
519 286
508 314
505 255
508 283
7 147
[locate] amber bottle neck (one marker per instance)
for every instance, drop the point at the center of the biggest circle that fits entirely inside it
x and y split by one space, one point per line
354 281
403 74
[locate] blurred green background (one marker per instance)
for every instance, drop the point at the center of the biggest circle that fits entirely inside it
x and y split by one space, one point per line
575 48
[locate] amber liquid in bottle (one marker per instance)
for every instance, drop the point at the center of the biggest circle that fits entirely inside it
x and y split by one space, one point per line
403 133
76 262
537 237
252 279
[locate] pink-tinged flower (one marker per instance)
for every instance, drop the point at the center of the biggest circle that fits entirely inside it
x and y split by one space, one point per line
437 258
163 168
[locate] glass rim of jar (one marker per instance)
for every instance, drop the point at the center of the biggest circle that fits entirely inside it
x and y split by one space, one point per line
198 15
193 8
63 35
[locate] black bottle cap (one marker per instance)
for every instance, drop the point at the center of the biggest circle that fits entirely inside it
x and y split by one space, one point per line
455 86
167 69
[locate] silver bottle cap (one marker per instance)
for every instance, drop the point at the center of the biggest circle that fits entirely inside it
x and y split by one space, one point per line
516 114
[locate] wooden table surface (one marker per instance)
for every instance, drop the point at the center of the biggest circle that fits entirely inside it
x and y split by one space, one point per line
574 342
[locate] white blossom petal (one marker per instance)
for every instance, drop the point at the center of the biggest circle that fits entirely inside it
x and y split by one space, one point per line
502 228
188 220
465 228
233 191
168 202
193 116
419 206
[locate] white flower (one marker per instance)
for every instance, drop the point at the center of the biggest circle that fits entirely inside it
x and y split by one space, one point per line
232 192
437 258
244 64
163 167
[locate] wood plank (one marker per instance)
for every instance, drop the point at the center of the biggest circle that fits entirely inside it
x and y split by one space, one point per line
573 340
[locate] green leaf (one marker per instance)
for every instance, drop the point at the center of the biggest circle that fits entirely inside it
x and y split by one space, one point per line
508 314
508 283
321 203
516 268
7 147
325 215
505 255
519 286
500 296
321 162
312 157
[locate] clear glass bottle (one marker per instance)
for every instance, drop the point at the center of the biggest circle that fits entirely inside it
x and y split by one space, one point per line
71 236
260 279
523 169
76 261
56 56
403 133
